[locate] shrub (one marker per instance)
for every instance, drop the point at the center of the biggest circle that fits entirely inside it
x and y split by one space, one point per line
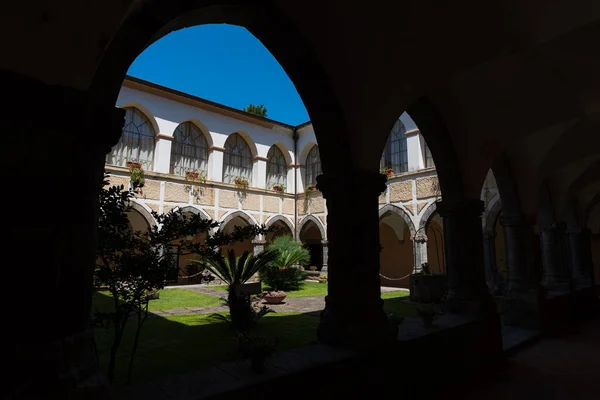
282 273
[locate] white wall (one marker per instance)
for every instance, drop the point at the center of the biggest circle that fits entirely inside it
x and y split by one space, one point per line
168 114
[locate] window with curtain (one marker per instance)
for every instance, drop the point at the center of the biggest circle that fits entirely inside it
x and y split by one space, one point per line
189 150
136 143
237 159
428 157
395 155
312 166
276 168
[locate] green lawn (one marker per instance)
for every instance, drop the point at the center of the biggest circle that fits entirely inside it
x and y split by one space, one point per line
307 289
169 299
189 342
393 303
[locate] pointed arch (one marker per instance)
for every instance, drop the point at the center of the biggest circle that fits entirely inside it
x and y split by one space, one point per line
275 218
189 149
249 219
316 221
285 151
491 215
193 210
249 141
203 128
238 159
304 153
389 209
427 215
144 211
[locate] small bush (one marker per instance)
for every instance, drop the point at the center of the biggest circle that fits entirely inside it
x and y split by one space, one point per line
282 274
282 279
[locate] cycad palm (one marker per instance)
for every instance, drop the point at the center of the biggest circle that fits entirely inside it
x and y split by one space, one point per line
234 271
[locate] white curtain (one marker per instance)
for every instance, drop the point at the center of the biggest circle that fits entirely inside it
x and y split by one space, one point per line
136 143
189 150
313 166
276 168
237 160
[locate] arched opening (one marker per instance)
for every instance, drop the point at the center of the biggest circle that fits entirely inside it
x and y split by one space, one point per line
238 247
435 244
189 150
397 256
277 170
136 143
312 166
237 159
500 249
395 154
279 228
137 222
310 236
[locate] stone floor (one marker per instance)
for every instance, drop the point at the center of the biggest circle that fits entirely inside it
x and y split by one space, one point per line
561 367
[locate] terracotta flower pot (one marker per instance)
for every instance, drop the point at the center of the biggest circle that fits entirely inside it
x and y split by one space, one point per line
274 299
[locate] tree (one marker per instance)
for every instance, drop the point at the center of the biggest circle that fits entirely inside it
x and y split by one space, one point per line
282 274
236 271
133 264
259 110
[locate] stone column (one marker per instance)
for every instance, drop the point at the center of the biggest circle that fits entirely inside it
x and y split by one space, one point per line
353 315
581 273
259 246
467 290
52 168
555 277
492 276
324 243
420 251
524 294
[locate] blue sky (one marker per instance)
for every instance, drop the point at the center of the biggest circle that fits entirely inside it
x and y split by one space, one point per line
225 64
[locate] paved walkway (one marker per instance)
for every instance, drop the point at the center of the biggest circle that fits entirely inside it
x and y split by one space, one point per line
308 305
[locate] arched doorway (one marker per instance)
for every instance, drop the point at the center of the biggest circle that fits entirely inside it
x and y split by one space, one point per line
311 237
435 244
137 222
397 254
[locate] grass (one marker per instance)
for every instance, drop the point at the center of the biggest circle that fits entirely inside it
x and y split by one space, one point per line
169 299
307 289
190 342
393 303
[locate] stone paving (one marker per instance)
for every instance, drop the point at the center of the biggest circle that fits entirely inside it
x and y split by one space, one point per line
308 305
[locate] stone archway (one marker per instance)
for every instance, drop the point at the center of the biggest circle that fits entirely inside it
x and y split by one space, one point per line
230 221
280 225
396 258
311 234
188 273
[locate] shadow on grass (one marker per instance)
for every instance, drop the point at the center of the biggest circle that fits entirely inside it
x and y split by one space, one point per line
183 343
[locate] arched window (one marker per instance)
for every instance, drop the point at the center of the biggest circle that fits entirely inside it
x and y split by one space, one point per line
189 150
276 168
136 143
237 160
313 166
395 155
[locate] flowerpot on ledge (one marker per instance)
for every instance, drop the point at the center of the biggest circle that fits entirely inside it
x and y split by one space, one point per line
274 297
134 165
192 175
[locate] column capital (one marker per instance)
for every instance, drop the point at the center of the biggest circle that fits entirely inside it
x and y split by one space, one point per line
370 182
420 238
467 206
324 242
259 242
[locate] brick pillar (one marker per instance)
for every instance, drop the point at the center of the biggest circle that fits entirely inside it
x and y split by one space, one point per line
353 315
52 168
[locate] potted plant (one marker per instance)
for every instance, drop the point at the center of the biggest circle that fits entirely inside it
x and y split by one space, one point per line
257 349
279 188
241 183
309 188
195 177
428 312
136 175
388 172
313 267
426 286
134 164
274 297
